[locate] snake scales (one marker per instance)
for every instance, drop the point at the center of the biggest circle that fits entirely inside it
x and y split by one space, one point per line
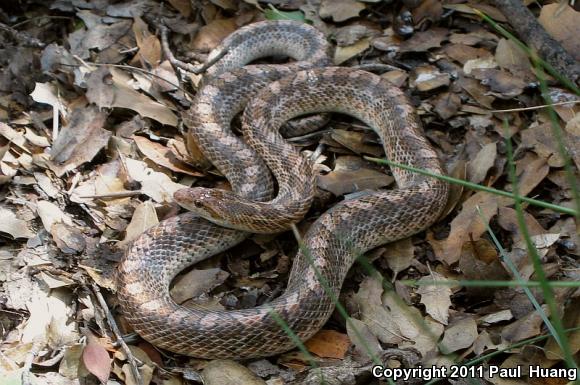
274 94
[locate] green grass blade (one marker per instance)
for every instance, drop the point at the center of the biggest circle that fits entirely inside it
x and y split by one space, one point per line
473 186
538 269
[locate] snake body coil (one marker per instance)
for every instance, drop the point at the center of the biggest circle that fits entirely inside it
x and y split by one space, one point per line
333 242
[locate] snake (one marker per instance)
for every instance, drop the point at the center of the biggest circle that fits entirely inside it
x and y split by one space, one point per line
272 187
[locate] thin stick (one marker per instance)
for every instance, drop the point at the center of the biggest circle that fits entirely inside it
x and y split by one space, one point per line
133 362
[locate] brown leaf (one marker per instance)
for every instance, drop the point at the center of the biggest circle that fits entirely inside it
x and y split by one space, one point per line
210 35
163 156
447 104
340 10
562 23
351 174
149 46
436 298
531 170
478 167
511 58
69 239
108 87
358 142
463 53
143 218
427 78
80 140
399 255
222 372
96 359
342 54
526 327
459 335
507 219
329 344
476 90
502 83
466 226
197 282
424 41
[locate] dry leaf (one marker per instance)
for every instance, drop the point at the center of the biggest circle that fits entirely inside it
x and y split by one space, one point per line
342 54
423 41
108 87
351 174
222 372
143 218
447 104
96 359
484 160
459 335
154 184
328 344
399 255
163 156
427 77
197 282
436 298
340 10
50 214
562 23
10 224
210 35
466 226
357 142
80 140
526 327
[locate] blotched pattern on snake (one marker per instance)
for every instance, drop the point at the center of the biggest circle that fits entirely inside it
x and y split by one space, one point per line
275 94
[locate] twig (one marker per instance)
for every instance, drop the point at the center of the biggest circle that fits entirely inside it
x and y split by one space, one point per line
536 107
532 32
127 67
133 362
22 37
120 194
182 65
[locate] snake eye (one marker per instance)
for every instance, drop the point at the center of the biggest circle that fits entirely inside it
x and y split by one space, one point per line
198 204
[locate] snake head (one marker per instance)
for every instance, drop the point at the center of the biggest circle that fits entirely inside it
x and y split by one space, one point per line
211 204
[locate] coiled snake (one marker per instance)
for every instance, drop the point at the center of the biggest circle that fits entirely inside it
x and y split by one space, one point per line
333 242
